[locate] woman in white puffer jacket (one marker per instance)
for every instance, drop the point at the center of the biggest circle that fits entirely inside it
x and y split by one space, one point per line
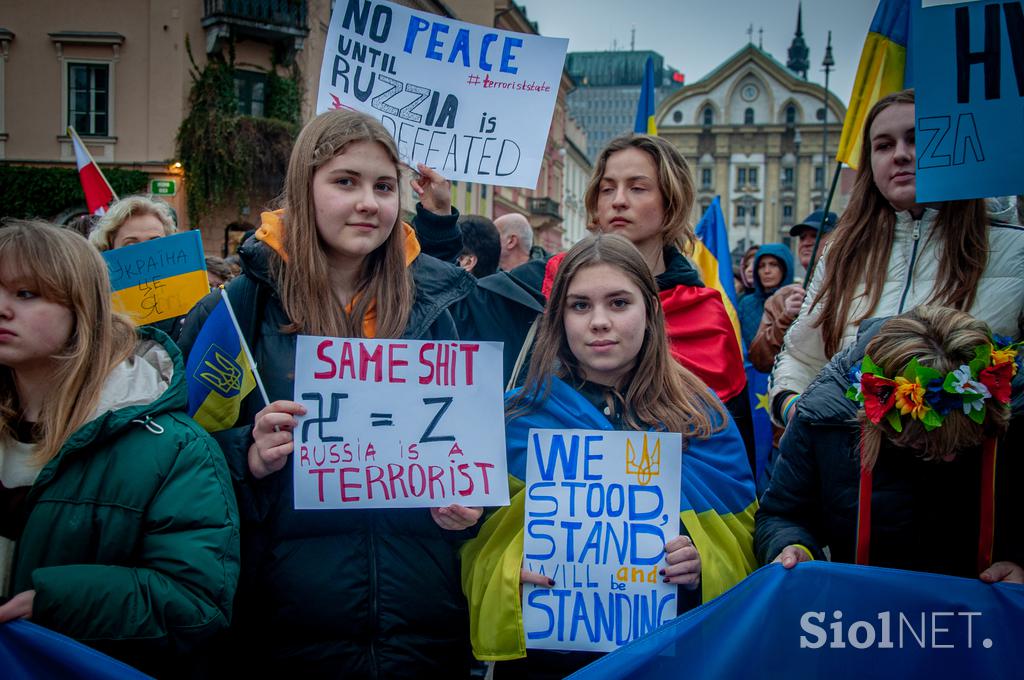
889 254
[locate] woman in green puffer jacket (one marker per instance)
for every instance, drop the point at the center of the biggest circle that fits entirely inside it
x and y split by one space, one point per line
119 525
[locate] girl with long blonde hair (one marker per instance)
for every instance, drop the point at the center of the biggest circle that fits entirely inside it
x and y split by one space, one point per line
371 593
890 253
603 363
119 504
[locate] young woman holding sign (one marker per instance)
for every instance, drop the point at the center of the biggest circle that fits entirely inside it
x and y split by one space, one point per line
602 363
119 506
890 253
371 593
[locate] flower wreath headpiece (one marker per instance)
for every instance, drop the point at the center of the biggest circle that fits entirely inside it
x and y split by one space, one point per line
926 395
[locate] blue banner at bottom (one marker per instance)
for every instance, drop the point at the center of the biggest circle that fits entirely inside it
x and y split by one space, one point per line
835 621
31 652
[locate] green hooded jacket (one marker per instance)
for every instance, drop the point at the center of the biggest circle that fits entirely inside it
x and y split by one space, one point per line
131 540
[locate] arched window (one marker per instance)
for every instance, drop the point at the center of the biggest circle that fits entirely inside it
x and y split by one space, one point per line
709 116
748 116
790 115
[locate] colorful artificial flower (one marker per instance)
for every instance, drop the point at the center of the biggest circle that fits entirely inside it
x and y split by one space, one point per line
910 398
879 396
939 399
997 379
855 391
1005 355
973 393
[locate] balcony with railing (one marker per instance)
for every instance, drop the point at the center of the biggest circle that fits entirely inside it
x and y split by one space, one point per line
544 207
269 20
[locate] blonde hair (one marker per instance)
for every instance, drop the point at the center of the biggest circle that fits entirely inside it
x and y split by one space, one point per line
944 339
62 267
303 280
658 392
675 181
862 242
121 211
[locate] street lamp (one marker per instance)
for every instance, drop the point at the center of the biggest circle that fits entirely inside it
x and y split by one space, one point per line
828 63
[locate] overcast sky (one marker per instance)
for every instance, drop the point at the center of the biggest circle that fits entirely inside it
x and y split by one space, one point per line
695 36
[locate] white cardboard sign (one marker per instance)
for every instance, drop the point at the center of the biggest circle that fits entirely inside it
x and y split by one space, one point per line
398 423
600 506
473 102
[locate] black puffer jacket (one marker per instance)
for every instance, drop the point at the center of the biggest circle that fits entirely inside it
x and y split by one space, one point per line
337 593
924 515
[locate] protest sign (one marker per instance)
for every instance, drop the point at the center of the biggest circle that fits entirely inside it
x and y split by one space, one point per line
969 76
472 102
600 506
398 423
158 279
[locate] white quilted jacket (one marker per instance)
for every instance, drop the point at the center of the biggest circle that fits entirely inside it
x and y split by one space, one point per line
913 270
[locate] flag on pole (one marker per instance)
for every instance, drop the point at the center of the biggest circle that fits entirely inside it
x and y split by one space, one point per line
98 192
220 371
644 123
711 256
884 68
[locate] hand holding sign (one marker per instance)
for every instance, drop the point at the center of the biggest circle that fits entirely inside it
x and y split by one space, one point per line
456 517
272 437
683 563
433 190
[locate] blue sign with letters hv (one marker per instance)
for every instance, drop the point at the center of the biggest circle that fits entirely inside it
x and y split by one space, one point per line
969 73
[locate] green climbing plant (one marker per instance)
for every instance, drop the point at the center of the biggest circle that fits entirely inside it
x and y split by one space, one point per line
227 155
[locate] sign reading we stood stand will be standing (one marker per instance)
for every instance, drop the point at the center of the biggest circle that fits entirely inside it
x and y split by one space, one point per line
600 507
398 423
473 102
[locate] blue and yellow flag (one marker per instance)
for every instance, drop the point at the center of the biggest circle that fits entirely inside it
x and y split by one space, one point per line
884 68
219 373
711 256
644 123
158 279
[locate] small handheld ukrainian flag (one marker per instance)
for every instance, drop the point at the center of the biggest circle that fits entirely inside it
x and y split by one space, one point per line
220 371
644 123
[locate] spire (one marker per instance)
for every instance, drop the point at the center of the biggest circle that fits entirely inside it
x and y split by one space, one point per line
799 55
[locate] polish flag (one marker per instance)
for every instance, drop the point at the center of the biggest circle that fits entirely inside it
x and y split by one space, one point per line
98 194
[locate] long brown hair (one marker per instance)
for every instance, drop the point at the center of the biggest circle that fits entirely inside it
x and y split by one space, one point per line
303 280
61 266
944 339
861 245
675 181
658 392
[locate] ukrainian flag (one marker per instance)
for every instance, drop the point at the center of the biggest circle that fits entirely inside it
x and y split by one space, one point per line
884 69
218 373
644 123
711 256
717 506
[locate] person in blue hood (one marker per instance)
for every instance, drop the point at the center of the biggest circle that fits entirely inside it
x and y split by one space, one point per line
773 268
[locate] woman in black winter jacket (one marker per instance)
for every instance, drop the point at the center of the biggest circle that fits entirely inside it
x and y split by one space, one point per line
910 419
338 593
